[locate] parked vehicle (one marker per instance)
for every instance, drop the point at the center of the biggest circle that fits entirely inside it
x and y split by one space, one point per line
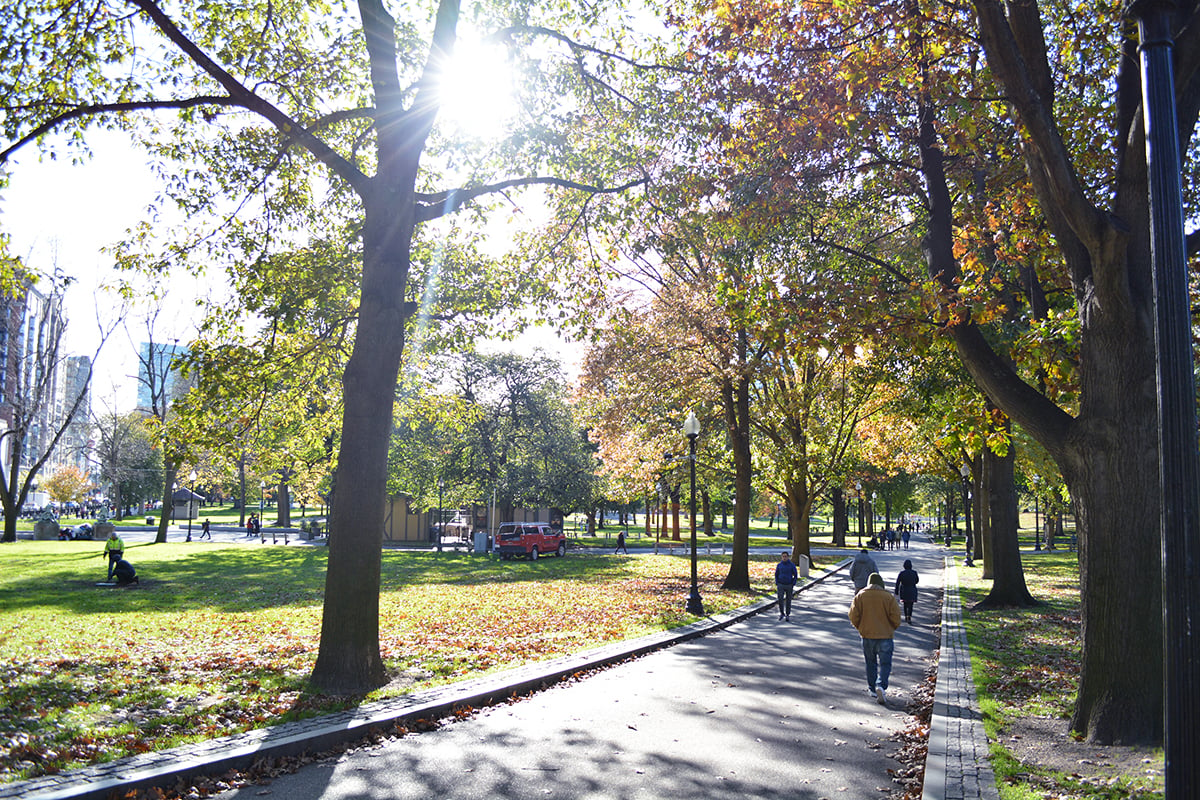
530 540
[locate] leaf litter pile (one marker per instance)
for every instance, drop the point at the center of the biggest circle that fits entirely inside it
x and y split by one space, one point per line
222 640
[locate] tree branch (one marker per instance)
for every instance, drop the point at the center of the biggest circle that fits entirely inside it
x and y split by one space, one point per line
439 204
249 100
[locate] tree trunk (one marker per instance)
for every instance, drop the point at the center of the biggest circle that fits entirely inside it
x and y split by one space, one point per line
799 503
706 510
841 520
736 396
1004 552
349 660
169 468
283 505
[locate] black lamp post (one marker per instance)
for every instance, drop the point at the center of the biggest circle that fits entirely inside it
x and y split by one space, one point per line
191 494
1179 468
438 528
965 471
1037 525
691 429
859 492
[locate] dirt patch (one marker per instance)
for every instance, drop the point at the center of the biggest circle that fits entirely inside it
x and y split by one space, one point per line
1045 743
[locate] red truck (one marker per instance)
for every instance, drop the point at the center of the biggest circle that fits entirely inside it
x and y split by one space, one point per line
529 540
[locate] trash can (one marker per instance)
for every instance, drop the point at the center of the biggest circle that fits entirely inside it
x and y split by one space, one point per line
481 538
149 520
802 566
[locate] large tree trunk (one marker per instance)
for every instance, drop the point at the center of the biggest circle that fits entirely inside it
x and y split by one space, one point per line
736 396
168 501
799 503
841 520
349 660
1003 551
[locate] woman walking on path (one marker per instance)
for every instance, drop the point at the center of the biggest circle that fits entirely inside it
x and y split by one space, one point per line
906 588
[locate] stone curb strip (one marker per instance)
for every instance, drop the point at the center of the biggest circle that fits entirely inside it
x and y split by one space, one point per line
216 756
957 765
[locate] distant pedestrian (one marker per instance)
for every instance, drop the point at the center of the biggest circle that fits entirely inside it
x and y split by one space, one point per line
205 531
906 589
621 543
905 536
876 615
785 584
114 548
250 526
861 569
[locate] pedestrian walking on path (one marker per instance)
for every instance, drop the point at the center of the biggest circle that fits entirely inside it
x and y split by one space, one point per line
906 588
861 569
620 544
875 613
785 584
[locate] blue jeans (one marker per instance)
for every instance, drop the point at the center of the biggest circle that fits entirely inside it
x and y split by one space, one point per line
783 592
878 653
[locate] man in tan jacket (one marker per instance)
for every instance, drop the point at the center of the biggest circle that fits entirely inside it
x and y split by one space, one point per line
876 614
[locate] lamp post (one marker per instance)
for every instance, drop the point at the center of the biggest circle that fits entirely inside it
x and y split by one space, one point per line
965 471
858 491
1037 527
438 528
191 494
1179 468
691 429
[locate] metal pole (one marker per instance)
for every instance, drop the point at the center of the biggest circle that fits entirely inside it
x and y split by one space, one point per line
694 604
1178 468
438 528
966 482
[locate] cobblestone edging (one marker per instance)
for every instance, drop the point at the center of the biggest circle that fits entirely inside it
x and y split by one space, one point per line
957 766
215 756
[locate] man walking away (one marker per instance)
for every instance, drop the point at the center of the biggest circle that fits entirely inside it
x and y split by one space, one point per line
785 584
861 569
875 613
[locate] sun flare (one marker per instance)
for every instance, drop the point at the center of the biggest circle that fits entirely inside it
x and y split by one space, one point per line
477 93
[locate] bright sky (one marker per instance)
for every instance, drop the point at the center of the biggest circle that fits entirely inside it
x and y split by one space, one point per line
62 215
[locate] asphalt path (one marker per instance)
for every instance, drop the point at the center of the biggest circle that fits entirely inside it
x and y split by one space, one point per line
762 709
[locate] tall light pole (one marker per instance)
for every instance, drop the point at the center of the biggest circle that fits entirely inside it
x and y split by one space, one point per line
438 528
858 491
1179 466
691 429
965 471
1037 525
191 494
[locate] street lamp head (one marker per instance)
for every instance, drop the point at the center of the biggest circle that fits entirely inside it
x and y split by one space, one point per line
691 426
192 476
858 486
965 471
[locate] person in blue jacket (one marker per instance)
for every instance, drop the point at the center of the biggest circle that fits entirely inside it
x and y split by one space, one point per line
785 584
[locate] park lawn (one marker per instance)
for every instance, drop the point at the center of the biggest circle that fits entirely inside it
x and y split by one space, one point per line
1025 664
220 639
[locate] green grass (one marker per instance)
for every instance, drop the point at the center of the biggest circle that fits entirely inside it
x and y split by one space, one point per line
1025 663
221 639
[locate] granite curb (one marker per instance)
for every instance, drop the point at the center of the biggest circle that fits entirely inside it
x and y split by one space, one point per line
958 764
216 756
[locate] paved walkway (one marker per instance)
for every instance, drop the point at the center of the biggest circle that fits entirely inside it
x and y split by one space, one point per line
739 705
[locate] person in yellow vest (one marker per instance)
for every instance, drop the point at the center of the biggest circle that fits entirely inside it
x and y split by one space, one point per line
114 548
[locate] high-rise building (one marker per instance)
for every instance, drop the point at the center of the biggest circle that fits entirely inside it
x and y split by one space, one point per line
159 381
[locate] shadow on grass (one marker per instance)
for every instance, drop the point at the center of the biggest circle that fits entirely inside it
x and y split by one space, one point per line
176 576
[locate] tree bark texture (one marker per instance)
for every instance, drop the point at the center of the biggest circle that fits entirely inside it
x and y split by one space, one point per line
1008 576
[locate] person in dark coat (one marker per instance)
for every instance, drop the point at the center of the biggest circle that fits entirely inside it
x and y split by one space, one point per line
906 588
124 573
